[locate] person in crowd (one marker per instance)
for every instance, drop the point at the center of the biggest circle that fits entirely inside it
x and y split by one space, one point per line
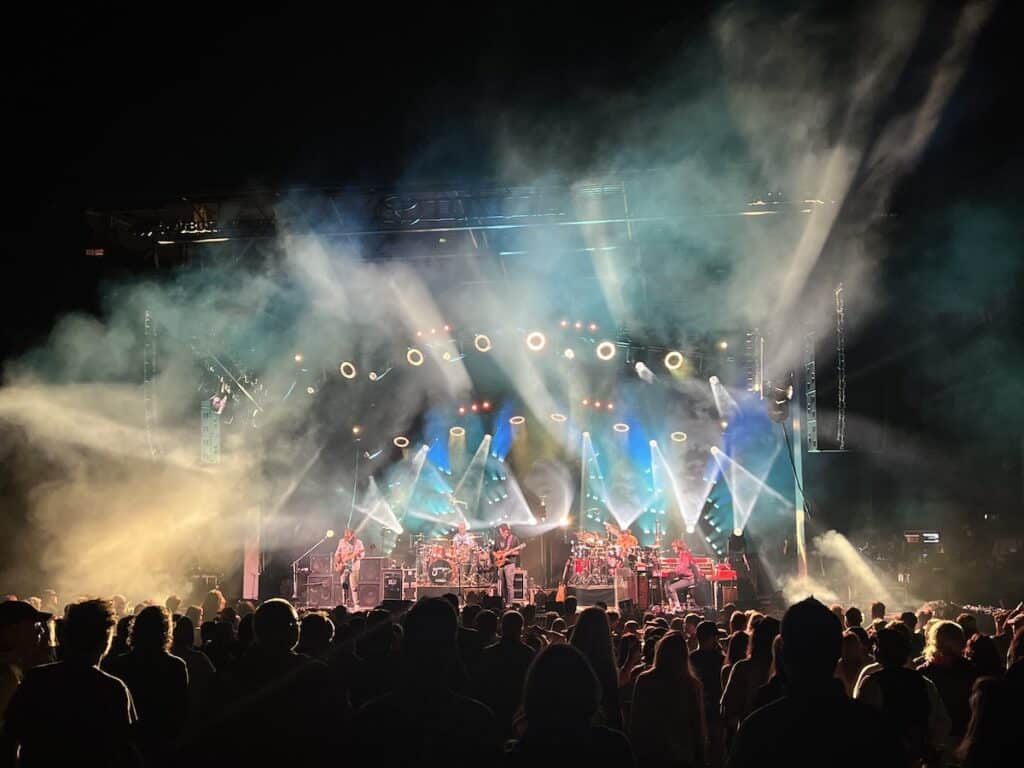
981 652
220 644
853 617
157 681
906 698
315 635
852 660
213 604
837 609
194 613
968 623
200 668
737 622
736 650
877 611
690 628
375 675
748 675
804 727
173 604
614 619
424 716
569 612
909 619
501 673
775 688
630 654
560 703
63 708
119 645
487 627
591 637
24 644
994 736
1015 660
667 725
952 674
120 605
707 663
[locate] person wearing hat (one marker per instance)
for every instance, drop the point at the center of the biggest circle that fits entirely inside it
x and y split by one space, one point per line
24 643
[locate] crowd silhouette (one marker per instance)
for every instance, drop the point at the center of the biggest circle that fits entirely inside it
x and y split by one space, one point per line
104 683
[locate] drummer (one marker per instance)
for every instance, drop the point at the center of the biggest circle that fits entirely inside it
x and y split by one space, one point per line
624 539
462 548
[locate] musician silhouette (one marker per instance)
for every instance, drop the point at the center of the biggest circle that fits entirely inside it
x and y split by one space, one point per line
506 556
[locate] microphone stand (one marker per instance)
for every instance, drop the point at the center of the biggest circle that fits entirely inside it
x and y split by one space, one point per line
295 570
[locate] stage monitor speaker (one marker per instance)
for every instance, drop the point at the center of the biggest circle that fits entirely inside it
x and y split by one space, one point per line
520 586
392 584
320 565
320 592
368 594
408 583
371 569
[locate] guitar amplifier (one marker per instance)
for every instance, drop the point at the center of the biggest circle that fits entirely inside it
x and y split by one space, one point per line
392 584
408 583
321 565
368 594
520 585
625 585
371 569
643 590
321 592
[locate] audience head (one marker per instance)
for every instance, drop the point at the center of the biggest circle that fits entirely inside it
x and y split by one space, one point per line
453 601
737 648
315 634
690 622
529 612
613 619
207 631
924 615
87 630
430 636
22 627
629 651
861 634
982 652
968 623
707 635
671 657
469 613
276 626
593 638
184 632
173 604
561 690
812 638
559 626
753 618
763 636
213 604
738 622
893 645
854 618
1016 646
151 631
994 727
631 626
511 626
945 641
677 624
570 606
487 624
119 603
877 610
852 649
909 618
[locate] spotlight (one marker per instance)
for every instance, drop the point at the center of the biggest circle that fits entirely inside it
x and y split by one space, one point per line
653 443
372 376
611 406
414 356
593 326
515 421
330 533
586 434
401 441
569 354
579 325
474 407
725 425
566 523
565 323
723 345
482 342
674 360
447 357
597 404
447 328
689 528
536 341
558 418
357 430
487 405
310 390
462 410
678 437
348 371
605 350
457 432
586 401
737 531
620 427
299 358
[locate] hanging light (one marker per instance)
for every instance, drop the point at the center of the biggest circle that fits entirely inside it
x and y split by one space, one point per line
482 342
674 360
457 432
605 350
536 341
347 370
401 441
414 356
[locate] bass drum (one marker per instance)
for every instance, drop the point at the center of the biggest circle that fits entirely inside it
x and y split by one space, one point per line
440 572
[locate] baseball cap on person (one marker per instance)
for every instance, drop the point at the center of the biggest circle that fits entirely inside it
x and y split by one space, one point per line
16 611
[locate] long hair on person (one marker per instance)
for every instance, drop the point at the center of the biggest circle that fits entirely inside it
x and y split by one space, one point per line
994 732
593 638
672 657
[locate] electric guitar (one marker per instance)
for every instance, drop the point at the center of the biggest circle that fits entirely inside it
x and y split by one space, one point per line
345 562
501 556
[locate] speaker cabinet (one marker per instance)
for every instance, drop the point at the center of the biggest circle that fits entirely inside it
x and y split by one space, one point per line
320 565
520 586
371 569
643 590
408 583
368 594
392 584
320 592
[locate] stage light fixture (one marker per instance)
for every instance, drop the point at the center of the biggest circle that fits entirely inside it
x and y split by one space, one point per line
310 390
593 326
299 358
372 376
723 345
620 427
515 421
737 531
690 528
457 432
579 325
585 401
401 441
558 418
565 323
569 354
447 328
674 360
487 405
357 430
482 342
462 410
611 406
330 533
474 407
725 424
653 443
605 350
414 356
348 370
597 404
678 437
536 341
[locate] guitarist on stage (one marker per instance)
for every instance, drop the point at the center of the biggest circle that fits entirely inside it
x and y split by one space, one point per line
346 562
506 557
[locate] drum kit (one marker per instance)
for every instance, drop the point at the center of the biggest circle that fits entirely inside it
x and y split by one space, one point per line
439 562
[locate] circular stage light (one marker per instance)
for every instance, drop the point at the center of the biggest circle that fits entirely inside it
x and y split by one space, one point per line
414 356
536 341
357 430
457 432
678 437
653 443
482 342
515 421
401 441
690 528
674 360
737 531
299 358
725 425
611 406
310 390
348 371
620 427
569 354
558 418
605 350
723 345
